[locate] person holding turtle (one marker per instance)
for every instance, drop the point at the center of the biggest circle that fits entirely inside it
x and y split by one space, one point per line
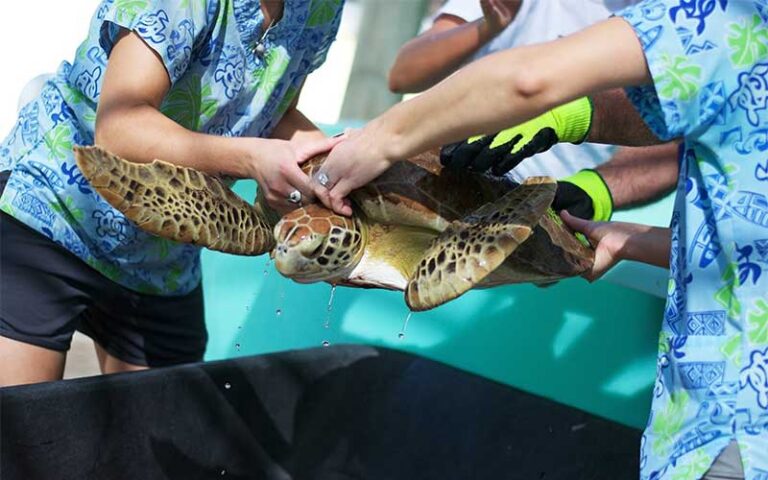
590 176
694 71
211 84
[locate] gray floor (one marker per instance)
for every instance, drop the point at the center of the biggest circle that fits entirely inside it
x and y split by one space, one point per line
81 359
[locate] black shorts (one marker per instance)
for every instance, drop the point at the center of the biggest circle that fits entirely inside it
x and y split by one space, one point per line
46 293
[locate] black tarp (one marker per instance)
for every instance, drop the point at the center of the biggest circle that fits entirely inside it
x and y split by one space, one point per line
344 412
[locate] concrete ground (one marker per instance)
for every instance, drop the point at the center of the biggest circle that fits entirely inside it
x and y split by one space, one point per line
81 359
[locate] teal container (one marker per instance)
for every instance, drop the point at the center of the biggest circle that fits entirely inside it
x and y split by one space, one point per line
591 346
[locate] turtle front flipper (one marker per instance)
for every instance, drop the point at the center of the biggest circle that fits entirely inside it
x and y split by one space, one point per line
177 203
471 248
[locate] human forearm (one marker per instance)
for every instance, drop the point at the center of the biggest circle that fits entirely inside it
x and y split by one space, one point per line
513 86
142 134
507 88
616 241
637 175
647 244
432 56
616 121
294 126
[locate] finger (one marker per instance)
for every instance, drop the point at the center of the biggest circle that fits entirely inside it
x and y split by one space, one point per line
296 179
446 153
494 157
504 11
339 202
542 141
577 224
277 199
498 10
507 163
572 198
604 261
464 155
322 194
317 147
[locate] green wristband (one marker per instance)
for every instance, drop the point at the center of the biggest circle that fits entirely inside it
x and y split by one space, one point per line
593 184
574 119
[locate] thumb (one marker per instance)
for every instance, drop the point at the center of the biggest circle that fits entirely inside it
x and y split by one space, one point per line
575 223
313 148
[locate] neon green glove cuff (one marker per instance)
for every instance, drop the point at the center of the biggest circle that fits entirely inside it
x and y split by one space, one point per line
573 120
593 184
571 123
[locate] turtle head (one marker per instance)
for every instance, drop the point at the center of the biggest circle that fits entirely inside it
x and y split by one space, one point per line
315 244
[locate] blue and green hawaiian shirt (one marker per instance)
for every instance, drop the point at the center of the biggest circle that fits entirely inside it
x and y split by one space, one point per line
221 84
709 63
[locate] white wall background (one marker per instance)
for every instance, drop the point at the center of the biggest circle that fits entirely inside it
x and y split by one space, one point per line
36 35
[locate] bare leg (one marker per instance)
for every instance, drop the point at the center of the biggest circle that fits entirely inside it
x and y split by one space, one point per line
22 363
110 364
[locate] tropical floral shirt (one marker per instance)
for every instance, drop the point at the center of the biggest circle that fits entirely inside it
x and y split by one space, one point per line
221 85
709 63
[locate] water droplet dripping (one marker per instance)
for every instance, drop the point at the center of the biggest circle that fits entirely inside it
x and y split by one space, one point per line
329 308
326 343
278 312
227 385
330 300
401 335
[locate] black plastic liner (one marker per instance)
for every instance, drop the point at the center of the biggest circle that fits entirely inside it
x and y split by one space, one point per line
344 412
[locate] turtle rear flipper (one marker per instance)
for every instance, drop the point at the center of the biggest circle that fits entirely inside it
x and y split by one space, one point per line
470 249
177 203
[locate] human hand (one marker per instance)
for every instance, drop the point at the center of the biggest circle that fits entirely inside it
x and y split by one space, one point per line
505 150
278 172
585 195
610 240
497 14
355 161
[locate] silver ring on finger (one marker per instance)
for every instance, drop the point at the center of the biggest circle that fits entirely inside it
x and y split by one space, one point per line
323 180
295 197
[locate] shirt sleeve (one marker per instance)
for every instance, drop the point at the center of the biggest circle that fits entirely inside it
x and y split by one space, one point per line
323 31
172 28
688 57
468 10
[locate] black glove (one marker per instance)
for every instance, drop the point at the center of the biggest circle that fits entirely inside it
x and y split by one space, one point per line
479 155
584 195
502 151
573 199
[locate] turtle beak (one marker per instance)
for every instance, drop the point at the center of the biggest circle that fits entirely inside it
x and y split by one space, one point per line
300 259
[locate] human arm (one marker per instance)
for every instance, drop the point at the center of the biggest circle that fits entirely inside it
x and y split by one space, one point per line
638 175
438 52
633 176
295 126
615 241
129 123
605 117
503 89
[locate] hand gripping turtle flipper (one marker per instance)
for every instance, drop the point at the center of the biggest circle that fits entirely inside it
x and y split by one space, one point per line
177 203
471 248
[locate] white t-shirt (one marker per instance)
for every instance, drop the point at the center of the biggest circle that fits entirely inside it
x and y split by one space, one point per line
542 21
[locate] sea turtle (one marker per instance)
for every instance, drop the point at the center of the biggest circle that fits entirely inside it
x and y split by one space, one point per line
431 232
